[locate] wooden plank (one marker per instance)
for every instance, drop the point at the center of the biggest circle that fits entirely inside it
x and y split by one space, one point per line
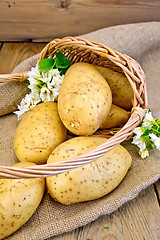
137 219
1 44
157 190
45 20
12 54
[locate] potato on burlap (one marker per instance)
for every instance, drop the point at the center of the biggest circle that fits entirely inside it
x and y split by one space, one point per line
122 92
91 181
38 133
84 100
19 198
117 117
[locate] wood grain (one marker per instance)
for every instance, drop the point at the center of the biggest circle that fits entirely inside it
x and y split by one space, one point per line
45 20
157 189
1 44
12 54
136 220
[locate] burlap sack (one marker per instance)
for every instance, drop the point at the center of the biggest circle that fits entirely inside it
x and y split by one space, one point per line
141 41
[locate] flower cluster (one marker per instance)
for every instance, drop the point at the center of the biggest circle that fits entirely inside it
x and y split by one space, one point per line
44 87
147 136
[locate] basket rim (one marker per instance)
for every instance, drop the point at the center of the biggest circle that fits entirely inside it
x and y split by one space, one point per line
135 75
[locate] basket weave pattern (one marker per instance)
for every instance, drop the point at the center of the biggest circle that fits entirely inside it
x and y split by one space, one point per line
81 50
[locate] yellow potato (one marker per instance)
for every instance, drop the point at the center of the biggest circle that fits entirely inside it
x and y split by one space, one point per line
91 181
122 92
38 133
19 198
84 100
117 117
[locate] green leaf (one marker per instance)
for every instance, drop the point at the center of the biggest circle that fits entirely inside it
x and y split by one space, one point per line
158 121
62 61
46 64
62 71
151 145
146 132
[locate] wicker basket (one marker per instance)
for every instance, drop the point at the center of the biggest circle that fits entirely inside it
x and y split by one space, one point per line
81 50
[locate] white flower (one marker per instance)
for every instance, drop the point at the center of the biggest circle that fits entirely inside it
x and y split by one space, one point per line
40 83
44 87
50 86
147 137
35 99
45 94
55 93
155 139
34 75
137 139
144 153
54 90
140 143
138 131
147 121
27 103
51 79
54 72
46 77
34 88
19 114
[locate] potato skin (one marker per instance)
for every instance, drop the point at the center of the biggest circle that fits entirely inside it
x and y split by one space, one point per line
91 181
84 100
19 198
117 117
38 133
122 92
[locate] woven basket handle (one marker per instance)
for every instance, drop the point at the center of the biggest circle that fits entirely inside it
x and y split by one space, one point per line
20 77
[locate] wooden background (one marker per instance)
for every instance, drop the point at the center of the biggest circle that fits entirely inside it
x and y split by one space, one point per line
31 21
43 20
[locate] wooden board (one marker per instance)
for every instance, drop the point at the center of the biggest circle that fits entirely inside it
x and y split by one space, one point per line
45 20
12 54
136 220
157 190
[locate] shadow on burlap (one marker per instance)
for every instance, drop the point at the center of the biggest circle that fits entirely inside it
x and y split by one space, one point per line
141 42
